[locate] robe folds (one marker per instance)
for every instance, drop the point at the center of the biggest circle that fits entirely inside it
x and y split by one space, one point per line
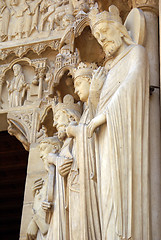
85 155
122 148
58 229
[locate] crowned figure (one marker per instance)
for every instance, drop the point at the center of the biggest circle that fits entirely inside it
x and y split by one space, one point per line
121 129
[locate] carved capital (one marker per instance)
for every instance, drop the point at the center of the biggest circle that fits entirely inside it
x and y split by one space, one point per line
147 5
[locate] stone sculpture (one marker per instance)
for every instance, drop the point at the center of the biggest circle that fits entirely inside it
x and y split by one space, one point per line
38 228
43 192
4 21
17 87
96 162
64 114
53 12
20 13
34 11
89 215
122 137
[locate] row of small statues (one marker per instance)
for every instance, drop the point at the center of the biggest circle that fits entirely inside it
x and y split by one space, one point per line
97 164
22 17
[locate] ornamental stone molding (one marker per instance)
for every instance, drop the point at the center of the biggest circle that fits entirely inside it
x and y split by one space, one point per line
21 49
148 5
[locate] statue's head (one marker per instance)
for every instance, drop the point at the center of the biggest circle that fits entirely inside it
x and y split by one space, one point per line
17 69
65 113
108 29
48 145
82 79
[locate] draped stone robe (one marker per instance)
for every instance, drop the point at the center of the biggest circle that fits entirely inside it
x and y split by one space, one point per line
89 212
122 148
58 229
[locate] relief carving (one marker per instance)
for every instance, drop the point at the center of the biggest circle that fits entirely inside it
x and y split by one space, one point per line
38 17
17 87
4 21
22 125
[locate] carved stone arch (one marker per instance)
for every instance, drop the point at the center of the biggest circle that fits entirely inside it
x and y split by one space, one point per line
62 83
18 60
46 119
18 129
59 75
81 26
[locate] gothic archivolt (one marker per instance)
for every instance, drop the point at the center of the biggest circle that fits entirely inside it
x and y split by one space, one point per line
74 81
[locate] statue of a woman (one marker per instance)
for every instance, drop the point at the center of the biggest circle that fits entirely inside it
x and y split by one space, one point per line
85 152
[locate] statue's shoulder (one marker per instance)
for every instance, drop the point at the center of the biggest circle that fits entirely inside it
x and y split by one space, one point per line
139 50
138 54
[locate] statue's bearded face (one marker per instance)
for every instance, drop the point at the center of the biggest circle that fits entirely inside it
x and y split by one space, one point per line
17 70
109 37
61 121
82 85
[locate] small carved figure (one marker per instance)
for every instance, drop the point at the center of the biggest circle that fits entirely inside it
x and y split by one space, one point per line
79 5
17 87
38 228
52 13
21 15
4 20
34 10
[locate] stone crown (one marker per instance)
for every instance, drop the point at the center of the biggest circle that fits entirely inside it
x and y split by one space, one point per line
97 17
84 70
68 103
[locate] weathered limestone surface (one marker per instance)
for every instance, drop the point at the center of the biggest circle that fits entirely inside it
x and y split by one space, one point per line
79 88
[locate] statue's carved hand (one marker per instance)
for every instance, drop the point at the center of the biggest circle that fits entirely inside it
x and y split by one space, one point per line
96 122
32 230
46 206
64 169
51 158
98 78
71 130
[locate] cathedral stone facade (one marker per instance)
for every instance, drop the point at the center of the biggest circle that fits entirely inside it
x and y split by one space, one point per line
80 90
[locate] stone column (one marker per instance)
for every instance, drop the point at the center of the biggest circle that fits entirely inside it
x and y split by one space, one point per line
41 73
150 9
1 84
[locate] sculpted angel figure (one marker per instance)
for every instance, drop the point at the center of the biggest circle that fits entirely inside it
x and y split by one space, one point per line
17 87
121 129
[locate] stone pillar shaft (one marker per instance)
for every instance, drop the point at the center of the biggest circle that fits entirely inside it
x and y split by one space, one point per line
150 8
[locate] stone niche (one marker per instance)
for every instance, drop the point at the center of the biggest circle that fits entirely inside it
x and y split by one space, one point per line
79 88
